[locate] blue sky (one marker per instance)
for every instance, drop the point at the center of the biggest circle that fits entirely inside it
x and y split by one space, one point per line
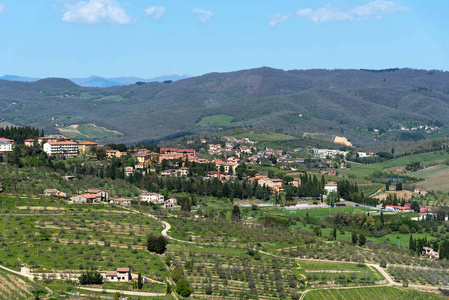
72 38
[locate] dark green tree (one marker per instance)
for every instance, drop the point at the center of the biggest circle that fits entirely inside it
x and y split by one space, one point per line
183 288
362 239
235 213
415 206
139 281
354 238
156 244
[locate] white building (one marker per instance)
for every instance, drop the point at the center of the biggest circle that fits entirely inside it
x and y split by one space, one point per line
331 186
6 145
170 203
121 201
152 197
66 149
323 153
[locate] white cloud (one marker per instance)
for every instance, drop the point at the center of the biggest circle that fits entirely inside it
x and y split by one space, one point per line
278 18
96 11
373 10
155 12
377 9
324 14
203 15
2 8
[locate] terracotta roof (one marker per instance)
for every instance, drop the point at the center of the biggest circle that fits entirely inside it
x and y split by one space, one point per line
62 143
111 273
91 196
88 143
122 269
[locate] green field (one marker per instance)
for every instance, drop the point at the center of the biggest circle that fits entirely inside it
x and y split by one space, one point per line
216 121
359 170
88 132
265 137
367 293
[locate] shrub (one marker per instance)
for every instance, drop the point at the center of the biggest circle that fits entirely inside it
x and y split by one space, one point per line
176 275
156 244
404 229
90 278
183 288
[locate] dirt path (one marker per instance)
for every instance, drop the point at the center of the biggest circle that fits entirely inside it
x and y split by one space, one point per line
165 224
132 293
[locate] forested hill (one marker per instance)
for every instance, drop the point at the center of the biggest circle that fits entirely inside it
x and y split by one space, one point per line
339 102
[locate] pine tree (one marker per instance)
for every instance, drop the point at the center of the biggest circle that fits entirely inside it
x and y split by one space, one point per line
354 238
362 239
412 244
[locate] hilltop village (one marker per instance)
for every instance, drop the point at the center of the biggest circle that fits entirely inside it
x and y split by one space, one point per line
226 161
138 218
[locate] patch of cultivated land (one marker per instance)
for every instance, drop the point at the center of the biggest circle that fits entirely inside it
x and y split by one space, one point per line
400 194
342 140
87 131
367 293
359 170
14 287
78 238
436 178
217 120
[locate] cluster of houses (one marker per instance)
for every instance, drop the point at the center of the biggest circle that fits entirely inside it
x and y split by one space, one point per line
332 153
406 208
229 149
427 128
56 146
91 196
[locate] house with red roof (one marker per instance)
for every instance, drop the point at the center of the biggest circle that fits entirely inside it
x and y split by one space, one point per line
6 145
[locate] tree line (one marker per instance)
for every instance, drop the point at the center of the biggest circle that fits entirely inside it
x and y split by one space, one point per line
20 134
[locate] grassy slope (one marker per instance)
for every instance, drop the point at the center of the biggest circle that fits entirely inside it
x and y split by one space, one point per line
215 121
360 170
88 131
436 178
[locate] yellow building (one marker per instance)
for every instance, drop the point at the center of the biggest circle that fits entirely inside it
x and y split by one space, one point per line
86 147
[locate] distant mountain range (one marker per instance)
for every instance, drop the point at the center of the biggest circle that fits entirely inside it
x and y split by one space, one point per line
366 106
97 81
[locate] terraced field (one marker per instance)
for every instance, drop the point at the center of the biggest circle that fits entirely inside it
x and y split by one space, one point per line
88 132
367 293
436 178
14 287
